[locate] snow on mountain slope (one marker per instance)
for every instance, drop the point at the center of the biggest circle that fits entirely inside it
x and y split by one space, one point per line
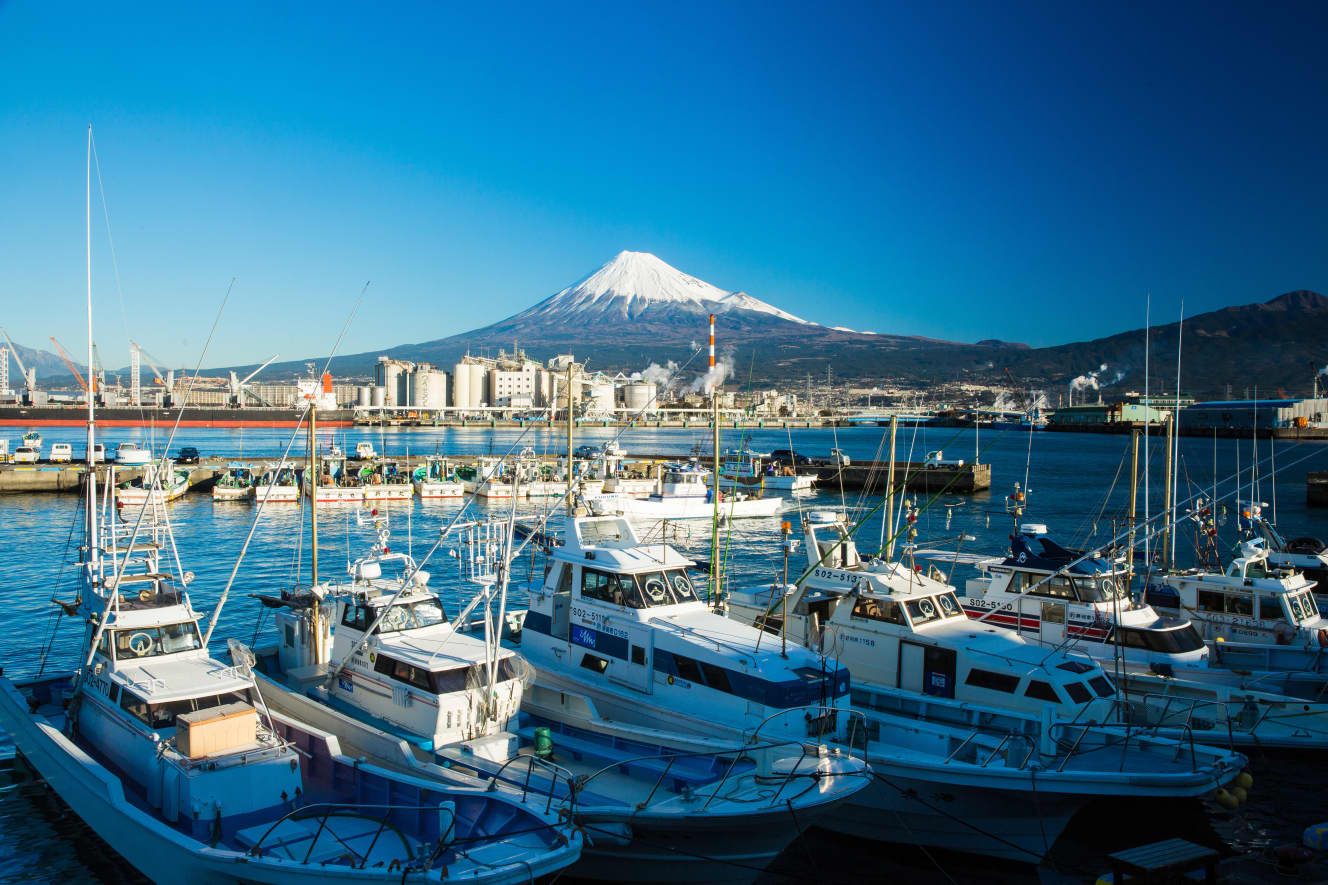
634 282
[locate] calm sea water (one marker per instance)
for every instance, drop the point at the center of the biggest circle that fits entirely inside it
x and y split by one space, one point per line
1076 483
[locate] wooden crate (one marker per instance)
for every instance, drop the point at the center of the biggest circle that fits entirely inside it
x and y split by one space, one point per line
216 730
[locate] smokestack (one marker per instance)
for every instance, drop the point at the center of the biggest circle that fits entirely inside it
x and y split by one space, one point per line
712 348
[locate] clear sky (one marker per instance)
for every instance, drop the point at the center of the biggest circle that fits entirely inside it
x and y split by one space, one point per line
996 170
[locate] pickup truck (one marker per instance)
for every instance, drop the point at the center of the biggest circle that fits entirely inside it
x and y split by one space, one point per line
61 453
938 459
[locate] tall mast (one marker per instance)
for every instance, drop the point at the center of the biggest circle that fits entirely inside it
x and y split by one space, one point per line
314 612
570 500
91 483
714 535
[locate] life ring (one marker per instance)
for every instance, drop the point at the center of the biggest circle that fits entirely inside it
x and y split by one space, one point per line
140 648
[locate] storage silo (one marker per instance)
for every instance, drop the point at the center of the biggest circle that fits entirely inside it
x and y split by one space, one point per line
364 396
379 397
639 396
601 398
461 386
479 385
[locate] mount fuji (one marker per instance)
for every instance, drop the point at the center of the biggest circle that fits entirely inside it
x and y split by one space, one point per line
637 309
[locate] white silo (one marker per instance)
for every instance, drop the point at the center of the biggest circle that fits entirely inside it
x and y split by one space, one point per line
601 398
364 396
479 385
639 396
378 397
461 386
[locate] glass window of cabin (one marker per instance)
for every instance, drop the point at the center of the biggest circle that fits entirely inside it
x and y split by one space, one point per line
1078 692
605 587
682 585
564 578
1053 612
1211 601
1240 604
180 637
1182 639
134 705
991 680
638 655
1311 606
920 611
448 681
131 644
716 677
1099 589
1101 686
950 606
1130 638
1041 691
1270 609
163 715
886 610
356 617
688 668
592 662
652 589
1297 611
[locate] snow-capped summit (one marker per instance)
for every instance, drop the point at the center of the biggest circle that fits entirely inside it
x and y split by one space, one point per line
633 283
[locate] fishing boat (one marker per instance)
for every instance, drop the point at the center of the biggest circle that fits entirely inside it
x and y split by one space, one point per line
33 440
435 479
683 494
1255 614
278 484
236 484
900 630
385 481
173 759
487 478
1305 554
161 482
336 484
617 625
1051 594
748 471
131 454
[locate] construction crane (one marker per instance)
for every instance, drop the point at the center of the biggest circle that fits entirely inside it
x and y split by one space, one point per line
69 364
101 370
157 379
237 386
29 375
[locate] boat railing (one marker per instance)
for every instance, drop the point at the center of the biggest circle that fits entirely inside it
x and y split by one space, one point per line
1222 711
358 860
555 772
1106 731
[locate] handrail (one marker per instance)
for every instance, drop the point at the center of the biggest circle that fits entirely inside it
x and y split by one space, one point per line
554 770
307 811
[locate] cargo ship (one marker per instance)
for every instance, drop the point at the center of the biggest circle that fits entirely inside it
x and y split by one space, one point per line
150 416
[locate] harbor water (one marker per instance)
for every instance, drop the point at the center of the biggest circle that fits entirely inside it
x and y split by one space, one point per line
1077 484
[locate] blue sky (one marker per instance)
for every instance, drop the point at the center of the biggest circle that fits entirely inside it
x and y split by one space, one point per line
1022 171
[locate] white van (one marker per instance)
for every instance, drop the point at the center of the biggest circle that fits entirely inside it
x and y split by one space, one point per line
61 453
26 455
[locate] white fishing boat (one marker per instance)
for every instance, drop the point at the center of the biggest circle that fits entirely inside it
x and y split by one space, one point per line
435 479
486 478
903 635
236 484
385 481
33 440
754 472
538 479
1254 613
336 483
1306 554
617 625
131 454
160 483
683 494
278 484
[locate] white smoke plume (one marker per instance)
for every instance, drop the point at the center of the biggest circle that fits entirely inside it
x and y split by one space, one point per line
714 377
662 376
1323 371
1005 403
1087 382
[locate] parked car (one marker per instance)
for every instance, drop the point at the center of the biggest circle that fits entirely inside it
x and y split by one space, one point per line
62 453
789 458
26 455
585 452
188 455
98 453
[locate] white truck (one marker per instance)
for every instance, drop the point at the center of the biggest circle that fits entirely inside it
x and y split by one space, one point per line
938 459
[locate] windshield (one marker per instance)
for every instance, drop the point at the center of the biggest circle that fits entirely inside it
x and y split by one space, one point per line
151 641
920 611
1100 589
1175 641
412 615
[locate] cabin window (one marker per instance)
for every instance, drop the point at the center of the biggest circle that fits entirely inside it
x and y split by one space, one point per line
592 662
1101 686
1311 607
1297 611
1240 604
1057 588
1078 692
564 579
950 606
638 655
507 669
1041 691
682 585
356 617
920 611
1270 609
604 587
1099 589
150 641
992 681
403 672
134 706
1211 601
412 615
448 681
716 677
886 610
688 668
290 635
